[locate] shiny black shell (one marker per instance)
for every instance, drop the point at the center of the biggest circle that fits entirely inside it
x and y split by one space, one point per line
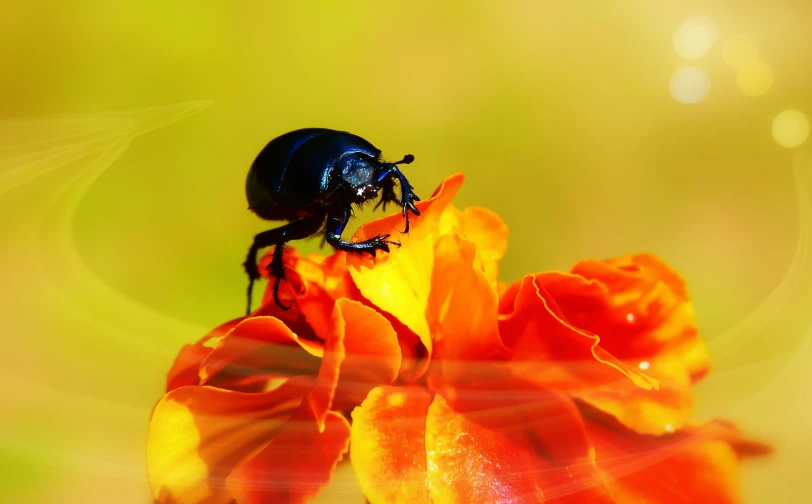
292 175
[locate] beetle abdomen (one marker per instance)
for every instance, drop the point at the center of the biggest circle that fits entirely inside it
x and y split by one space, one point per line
293 172
268 170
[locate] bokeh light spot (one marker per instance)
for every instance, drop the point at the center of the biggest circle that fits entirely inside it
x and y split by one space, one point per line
689 85
695 36
754 77
738 49
791 128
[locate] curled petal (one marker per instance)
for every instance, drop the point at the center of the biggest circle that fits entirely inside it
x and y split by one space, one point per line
186 368
399 282
198 435
640 310
257 348
642 307
534 328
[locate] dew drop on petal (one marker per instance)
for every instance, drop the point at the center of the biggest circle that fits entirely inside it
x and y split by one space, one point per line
630 318
669 428
644 365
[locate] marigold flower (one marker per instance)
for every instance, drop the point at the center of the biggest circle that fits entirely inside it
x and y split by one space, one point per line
445 385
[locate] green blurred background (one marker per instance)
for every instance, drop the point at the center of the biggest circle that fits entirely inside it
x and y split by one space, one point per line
124 225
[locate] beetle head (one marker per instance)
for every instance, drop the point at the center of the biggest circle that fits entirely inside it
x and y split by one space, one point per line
358 172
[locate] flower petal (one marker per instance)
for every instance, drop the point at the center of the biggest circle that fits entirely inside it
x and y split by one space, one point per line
399 282
544 421
533 327
186 367
462 313
258 347
360 353
198 435
309 305
296 464
372 354
388 445
489 455
691 466
482 227
641 307
640 310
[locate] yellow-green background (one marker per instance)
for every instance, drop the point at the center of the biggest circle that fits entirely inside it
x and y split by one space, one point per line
123 229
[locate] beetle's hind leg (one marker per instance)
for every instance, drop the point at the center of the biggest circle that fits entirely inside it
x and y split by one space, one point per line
277 238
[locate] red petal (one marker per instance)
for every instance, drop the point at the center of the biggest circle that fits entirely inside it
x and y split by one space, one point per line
574 361
296 465
490 455
372 354
259 346
696 465
640 310
186 367
640 306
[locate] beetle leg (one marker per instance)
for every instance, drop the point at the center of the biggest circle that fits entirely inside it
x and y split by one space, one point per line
337 221
407 195
387 192
277 238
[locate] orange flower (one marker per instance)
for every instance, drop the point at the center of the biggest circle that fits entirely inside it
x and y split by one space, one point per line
446 386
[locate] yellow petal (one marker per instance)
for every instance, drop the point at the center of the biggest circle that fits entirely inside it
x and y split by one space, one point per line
198 435
388 445
399 282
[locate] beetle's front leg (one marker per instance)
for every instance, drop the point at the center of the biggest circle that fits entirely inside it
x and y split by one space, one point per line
336 222
407 195
388 194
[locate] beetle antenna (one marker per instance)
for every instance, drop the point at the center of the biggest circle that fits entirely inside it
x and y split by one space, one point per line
407 159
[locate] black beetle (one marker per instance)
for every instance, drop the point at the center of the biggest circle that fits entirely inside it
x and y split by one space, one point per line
312 177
